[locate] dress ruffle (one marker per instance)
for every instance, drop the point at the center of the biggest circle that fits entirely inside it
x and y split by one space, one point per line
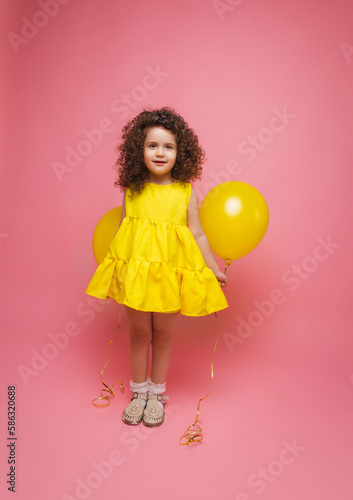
155 265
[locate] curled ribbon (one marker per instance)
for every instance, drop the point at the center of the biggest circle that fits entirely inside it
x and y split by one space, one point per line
194 433
108 389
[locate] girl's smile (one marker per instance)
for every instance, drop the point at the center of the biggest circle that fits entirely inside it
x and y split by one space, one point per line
160 152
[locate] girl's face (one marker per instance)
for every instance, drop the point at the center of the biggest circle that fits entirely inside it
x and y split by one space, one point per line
159 153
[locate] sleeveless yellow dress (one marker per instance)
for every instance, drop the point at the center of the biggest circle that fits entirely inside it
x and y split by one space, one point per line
153 262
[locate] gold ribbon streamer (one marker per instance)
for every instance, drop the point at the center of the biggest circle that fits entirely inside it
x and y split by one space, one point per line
108 389
194 433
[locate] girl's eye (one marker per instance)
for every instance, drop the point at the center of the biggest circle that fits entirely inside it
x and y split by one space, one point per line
168 146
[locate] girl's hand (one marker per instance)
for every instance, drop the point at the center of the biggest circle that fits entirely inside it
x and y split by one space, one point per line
222 278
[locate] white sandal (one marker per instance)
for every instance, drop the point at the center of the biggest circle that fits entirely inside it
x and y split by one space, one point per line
153 415
133 413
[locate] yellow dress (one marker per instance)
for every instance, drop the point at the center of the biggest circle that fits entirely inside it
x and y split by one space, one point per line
153 262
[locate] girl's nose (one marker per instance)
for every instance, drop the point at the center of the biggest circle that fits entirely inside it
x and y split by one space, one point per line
160 151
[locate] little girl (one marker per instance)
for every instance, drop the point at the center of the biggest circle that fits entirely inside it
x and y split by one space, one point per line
159 263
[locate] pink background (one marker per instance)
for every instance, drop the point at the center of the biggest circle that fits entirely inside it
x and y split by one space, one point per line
278 421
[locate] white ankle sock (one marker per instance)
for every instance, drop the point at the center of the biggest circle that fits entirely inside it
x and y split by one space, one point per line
156 389
141 388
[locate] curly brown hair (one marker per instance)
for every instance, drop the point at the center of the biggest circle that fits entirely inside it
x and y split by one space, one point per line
130 165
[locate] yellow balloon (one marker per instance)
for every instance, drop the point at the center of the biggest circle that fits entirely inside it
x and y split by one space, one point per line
105 232
234 216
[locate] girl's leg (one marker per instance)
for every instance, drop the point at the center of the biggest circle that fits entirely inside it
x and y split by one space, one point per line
162 329
140 328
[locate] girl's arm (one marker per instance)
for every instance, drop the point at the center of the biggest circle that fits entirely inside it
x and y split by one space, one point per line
198 233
